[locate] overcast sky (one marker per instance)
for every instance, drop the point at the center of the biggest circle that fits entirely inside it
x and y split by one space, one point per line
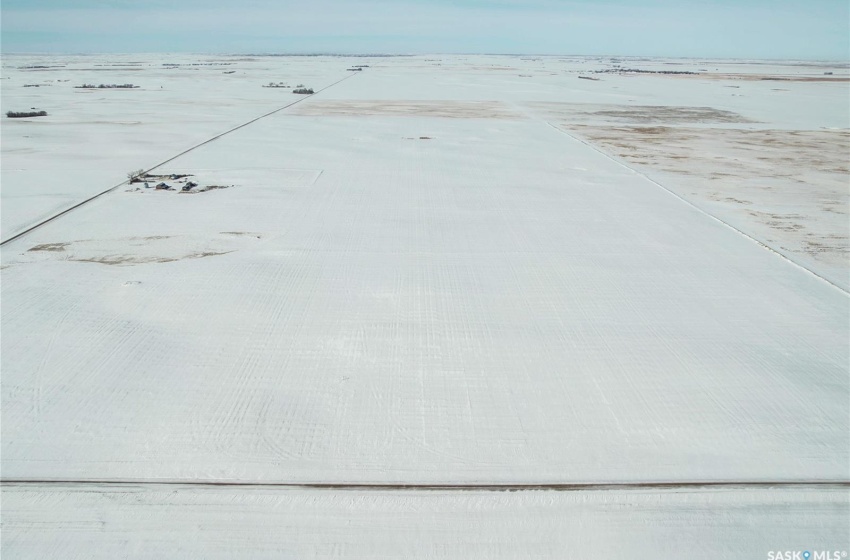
813 29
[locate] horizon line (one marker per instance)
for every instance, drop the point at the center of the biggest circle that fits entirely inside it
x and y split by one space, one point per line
412 54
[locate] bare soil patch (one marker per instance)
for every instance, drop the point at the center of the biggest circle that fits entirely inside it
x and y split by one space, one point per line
794 154
445 109
788 188
127 251
50 247
636 114
747 77
762 78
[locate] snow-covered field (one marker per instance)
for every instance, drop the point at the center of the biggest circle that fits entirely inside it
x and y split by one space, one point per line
438 271
255 522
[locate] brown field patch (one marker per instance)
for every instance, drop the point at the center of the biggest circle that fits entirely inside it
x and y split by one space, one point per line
442 109
636 114
736 77
787 188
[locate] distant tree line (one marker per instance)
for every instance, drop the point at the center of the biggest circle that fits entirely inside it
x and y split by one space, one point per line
639 71
23 114
106 86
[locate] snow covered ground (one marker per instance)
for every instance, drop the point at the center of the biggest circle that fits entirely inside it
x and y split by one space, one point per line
426 274
186 522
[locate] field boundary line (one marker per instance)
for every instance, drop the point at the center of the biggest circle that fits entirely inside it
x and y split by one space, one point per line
446 487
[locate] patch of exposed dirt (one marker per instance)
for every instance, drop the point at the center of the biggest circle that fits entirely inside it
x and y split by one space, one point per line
732 76
651 114
140 250
443 109
786 188
636 114
718 152
50 247
134 259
